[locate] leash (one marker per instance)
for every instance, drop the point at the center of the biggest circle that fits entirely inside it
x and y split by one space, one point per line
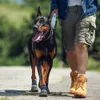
53 21
52 24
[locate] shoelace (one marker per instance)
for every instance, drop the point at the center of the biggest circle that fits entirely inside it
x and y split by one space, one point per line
74 82
80 85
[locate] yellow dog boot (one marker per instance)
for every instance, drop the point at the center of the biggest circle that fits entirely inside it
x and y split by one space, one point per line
73 76
81 87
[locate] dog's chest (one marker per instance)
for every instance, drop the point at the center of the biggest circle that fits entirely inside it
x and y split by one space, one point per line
44 46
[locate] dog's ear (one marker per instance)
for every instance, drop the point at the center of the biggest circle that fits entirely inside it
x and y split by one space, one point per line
39 12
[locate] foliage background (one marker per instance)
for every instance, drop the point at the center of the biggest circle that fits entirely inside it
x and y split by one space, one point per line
16 20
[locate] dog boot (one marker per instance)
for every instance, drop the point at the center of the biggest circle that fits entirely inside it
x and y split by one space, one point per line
34 86
73 76
48 91
81 87
43 92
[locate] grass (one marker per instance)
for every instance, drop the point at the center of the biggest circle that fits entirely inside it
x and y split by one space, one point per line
15 14
55 63
93 64
4 98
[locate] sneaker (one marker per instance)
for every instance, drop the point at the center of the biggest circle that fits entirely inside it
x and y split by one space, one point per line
81 87
73 76
43 93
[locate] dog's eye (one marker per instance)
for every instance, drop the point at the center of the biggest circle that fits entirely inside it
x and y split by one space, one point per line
42 20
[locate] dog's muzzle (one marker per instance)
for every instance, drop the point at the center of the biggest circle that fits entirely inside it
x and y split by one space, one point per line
38 37
35 28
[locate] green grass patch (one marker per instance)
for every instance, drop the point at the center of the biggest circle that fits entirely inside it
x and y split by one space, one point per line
93 64
15 14
4 98
55 62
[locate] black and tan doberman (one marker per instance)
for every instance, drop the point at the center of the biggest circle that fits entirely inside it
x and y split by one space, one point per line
42 50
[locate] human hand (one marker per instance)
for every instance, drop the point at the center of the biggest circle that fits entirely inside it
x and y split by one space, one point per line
54 11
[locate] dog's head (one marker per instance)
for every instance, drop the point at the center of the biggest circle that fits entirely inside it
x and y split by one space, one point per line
41 27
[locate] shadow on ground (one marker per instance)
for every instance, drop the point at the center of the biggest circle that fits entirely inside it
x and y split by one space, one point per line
11 92
27 92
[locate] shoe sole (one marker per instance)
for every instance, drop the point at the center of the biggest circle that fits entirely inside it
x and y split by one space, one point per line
43 95
79 96
71 92
34 90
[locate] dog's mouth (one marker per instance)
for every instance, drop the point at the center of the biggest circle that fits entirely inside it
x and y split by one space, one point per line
38 36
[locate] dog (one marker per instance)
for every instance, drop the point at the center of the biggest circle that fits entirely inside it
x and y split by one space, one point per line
42 51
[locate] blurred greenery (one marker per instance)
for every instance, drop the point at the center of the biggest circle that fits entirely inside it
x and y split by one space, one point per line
16 20
4 98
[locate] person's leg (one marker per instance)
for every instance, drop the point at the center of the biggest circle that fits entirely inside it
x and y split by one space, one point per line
78 62
78 59
68 34
73 74
85 37
71 56
82 61
82 57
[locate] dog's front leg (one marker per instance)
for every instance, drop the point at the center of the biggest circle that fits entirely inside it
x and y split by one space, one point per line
33 76
42 76
48 70
44 70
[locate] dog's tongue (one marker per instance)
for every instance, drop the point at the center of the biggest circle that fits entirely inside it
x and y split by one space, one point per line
38 37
